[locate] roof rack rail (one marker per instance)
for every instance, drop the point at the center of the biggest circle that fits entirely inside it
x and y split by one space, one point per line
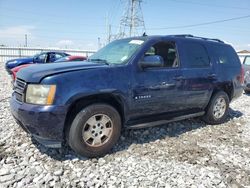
203 38
184 35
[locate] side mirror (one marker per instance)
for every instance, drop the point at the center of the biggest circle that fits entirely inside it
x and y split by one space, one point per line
151 61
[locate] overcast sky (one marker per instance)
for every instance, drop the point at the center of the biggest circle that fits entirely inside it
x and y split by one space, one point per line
79 23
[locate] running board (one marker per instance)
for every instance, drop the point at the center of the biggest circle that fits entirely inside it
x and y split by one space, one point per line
161 122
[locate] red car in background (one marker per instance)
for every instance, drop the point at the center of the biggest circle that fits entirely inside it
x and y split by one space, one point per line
16 69
64 59
71 58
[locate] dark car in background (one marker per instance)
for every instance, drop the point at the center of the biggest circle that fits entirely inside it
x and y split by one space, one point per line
130 83
64 59
246 66
44 57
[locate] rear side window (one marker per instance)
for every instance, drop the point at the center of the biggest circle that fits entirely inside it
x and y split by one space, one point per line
225 55
197 56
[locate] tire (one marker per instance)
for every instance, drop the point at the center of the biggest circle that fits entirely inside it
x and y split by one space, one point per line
217 109
247 91
95 130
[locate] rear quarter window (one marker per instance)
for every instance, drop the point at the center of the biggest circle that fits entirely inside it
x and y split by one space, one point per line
226 55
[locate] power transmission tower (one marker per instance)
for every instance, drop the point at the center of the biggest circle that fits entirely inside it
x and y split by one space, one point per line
132 22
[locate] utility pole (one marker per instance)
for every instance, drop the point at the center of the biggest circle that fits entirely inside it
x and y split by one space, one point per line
132 24
99 43
26 40
107 27
132 21
109 33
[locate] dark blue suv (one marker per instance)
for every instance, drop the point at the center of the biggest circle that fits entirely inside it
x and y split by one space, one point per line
132 83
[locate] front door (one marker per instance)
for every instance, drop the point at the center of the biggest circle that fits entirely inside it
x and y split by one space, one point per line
155 89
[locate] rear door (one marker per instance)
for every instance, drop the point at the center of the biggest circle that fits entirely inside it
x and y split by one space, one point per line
198 75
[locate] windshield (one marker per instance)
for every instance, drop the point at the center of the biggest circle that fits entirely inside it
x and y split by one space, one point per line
117 52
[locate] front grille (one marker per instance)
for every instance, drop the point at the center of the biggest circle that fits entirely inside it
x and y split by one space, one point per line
19 89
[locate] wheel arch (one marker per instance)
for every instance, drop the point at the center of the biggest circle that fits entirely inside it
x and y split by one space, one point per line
227 88
113 99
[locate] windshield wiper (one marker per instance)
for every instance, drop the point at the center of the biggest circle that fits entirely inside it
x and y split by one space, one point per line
99 60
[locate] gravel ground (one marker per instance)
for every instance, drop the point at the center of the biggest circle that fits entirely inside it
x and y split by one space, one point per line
181 154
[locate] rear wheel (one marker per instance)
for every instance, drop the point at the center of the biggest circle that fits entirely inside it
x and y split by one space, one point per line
247 91
95 130
217 109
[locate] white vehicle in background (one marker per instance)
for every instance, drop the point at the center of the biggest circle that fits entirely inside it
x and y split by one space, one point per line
243 54
246 67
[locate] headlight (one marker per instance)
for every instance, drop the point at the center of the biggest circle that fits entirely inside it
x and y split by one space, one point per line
40 94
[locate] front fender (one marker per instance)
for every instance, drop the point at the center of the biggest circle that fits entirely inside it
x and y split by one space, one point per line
109 96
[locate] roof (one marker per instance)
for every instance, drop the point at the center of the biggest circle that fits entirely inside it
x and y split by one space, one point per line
182 37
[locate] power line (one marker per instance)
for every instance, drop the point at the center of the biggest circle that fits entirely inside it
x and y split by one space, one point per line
208 5
201 24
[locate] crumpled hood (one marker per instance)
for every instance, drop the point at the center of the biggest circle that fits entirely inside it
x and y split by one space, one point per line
35 73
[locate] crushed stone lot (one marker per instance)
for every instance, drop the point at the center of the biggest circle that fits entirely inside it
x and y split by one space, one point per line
181 154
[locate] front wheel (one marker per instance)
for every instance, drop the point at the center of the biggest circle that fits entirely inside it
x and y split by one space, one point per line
217 109
95 130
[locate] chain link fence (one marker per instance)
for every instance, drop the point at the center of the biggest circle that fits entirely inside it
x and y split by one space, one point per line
7 53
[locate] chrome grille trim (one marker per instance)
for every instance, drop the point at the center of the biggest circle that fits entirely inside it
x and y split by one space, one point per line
19 89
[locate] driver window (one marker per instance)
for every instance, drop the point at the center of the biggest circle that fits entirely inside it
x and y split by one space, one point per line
41 58
167 50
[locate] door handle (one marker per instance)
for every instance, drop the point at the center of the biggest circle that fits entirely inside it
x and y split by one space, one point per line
178 78
165 84
211 76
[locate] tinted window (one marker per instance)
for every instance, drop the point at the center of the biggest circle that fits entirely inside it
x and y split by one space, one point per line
196 55
225 55
247 60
